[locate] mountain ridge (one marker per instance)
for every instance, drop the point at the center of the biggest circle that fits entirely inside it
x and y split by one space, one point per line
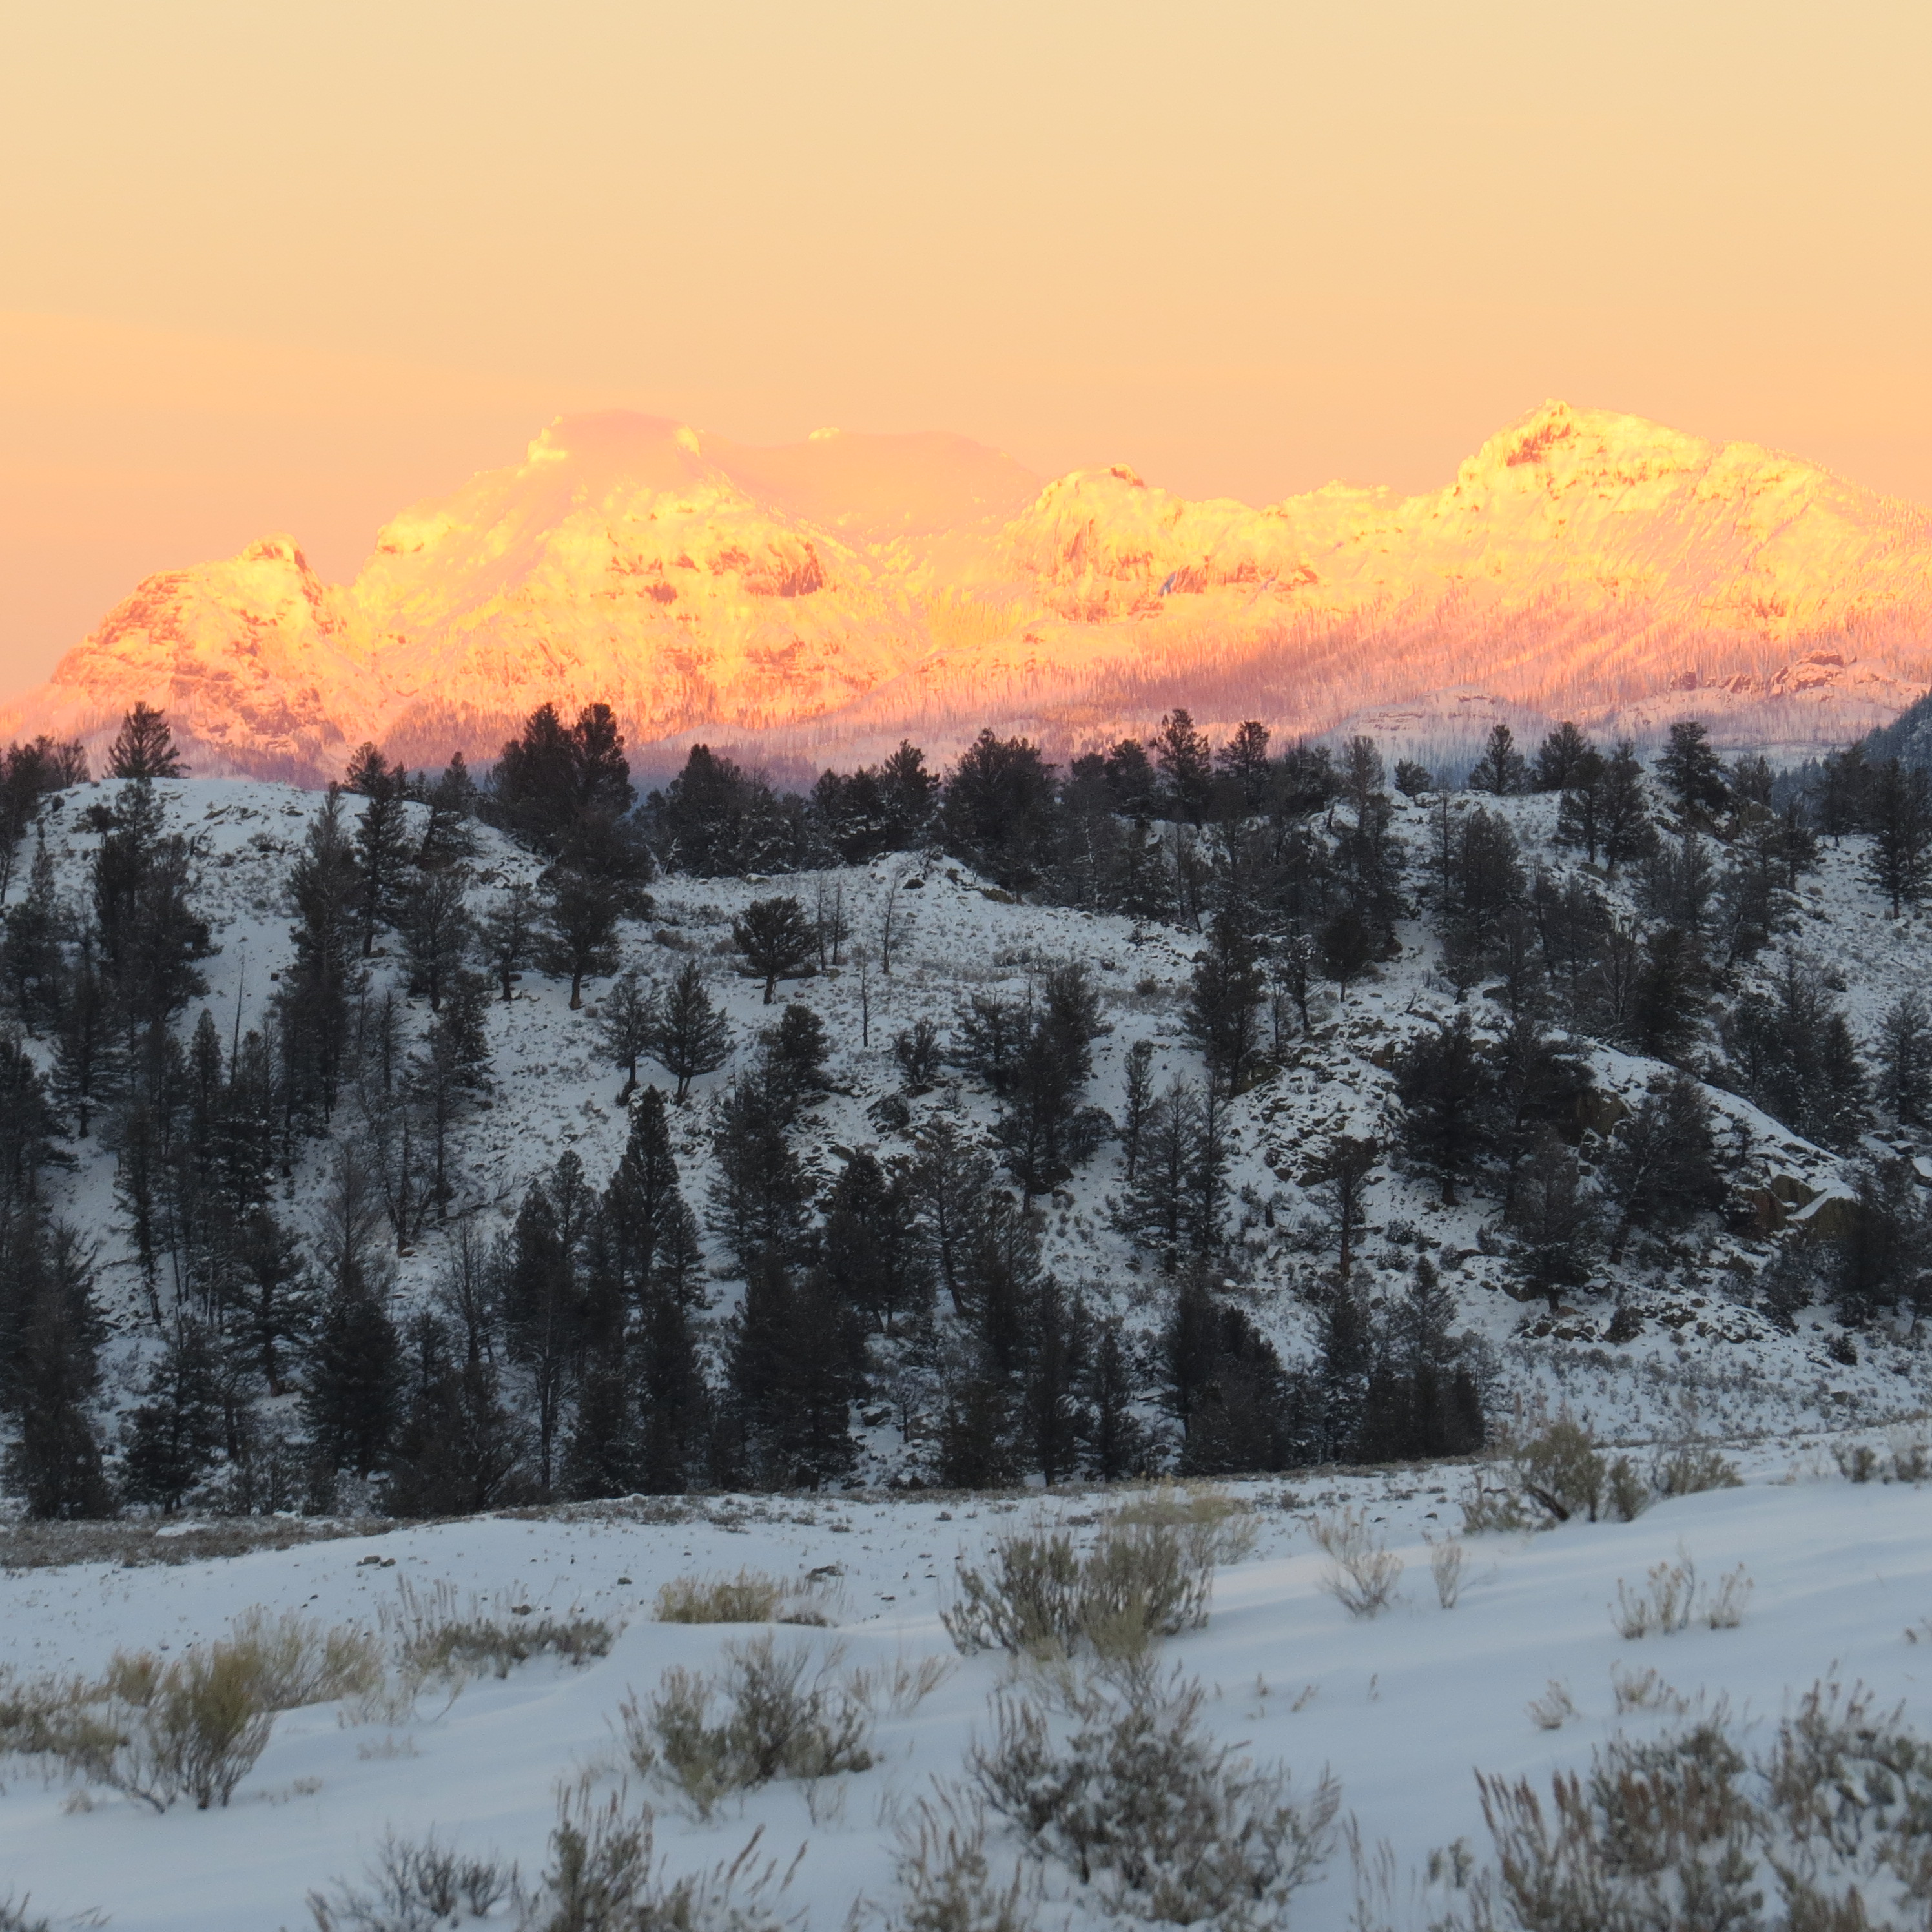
809 601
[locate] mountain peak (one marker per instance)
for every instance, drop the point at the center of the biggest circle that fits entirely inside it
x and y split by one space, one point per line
819 598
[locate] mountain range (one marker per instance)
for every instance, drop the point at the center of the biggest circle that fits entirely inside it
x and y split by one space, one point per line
812 603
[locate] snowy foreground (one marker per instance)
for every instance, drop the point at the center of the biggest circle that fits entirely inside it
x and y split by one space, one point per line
1401 1707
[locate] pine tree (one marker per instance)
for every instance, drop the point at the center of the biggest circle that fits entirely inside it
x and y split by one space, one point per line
543 1301
672 1395
314 1003
49 1371
1439 1081
579 937
952 1181
777 940
437 930
508 935
1905 1059
1500 769
693 1037
1693 773
1622 815
977 1449
1222 1013
1900 814
997 811
30 958
1566 761
1115 1444
175 1434
144 747
759 1190
382 848
1340 1176
1659 1169
1244 760
1182 754
351 1397
627 1023
90 1059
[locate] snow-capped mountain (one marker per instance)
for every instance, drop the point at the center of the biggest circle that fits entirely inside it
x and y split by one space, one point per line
817 601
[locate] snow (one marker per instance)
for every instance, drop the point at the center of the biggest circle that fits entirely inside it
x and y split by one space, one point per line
818 601
1399 1708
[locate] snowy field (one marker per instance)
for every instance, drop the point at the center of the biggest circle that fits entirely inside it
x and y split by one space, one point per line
1401 1707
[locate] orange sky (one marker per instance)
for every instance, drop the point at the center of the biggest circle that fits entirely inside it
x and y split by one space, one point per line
293 266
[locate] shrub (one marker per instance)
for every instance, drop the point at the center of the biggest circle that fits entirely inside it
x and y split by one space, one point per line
788 1714
435 1639
1553 1709
1672 1599
749 1597
1225 1523
1135 1799
193 1728
1040 1596
1693 1467
413 1886
298 1661
1685 1834
1445 1569
603 1877
1857 1462
1362 1574
946 1882
1561 1472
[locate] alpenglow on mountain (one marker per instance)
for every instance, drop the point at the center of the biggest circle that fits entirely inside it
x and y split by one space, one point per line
809 604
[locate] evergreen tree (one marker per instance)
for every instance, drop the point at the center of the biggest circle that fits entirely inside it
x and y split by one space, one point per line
30 957
673 1398
543 1306
565 789
1500 769
1555 1221
90 1059
1622 815
627 1024
1790 1050
758 1190
1566 760
951 1180
383 847
792 1375
151 936
351 1399
1223 1012
1899 811
693 1037
873 1258
458 1451
1056 1419
1660 1169
1439 1081
1343 1364
997 810
1115 1443
579 937
776 939
313 1005
144 747
1139 1104
1693 774
1423 1398
174 1435
48 1370
508 935
437 930
1904 1087
1842 795
1882 1259
1243 762
977 1445
643 1211
1339 1178
1182 754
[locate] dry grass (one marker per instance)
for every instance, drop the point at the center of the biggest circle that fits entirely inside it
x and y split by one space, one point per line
749 1597
1040 1595
135 1544
946 1881
1645 1691
1362 1574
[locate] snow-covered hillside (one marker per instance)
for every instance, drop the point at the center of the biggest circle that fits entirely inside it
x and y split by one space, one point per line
1696 1340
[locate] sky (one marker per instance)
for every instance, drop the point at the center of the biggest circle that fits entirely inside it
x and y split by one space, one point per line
291 268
